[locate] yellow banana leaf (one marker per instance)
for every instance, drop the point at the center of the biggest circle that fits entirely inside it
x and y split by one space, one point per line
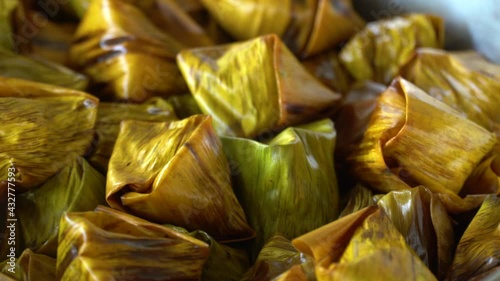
176 172
473 94
277 256
6 8
128 48
422 220
328 69
184 105
360 197
287 185
305 26
224 263
476 62
296 273
40 70
269 90
379 51
76 188
376 251
414 139
478 252
110 245
43 129
109 117
30 267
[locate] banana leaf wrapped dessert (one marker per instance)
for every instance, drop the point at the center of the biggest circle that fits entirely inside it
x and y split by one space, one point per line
110 245
30 267
477 256
328 69
44 128
109 117
307 27
184 105
414 139
176 173
40 70
254 86
128 48
76 188
474 61
277 256
379 51
293 173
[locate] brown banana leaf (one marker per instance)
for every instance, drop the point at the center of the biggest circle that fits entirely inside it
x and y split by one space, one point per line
277 256
360 197
44 128
379 51
305 26
376 251
109 117
287 185
40 70
30 267
270 90
422 220
128 48
478 252
76 188
184 105
176 172
110 245
414 139
328 69
6 8
476 62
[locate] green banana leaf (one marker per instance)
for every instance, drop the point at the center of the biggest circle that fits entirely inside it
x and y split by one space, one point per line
29 267
287 185
254 86
40 70
422 220
477 255
6 39
106 244
277 256
52 125
109 117
184 105
76 188
382 48
176 173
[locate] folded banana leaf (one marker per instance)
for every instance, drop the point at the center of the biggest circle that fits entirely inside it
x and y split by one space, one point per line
277 256
40 70
128 48
414 139
305 26
109 117
376 251
287 185
76 188
110 245
476 62
184 105
478 252
328 69
6 8
30 267
176 172
270 90
379 51
43 129
422 220
360 197
296 273
473 94
224 263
